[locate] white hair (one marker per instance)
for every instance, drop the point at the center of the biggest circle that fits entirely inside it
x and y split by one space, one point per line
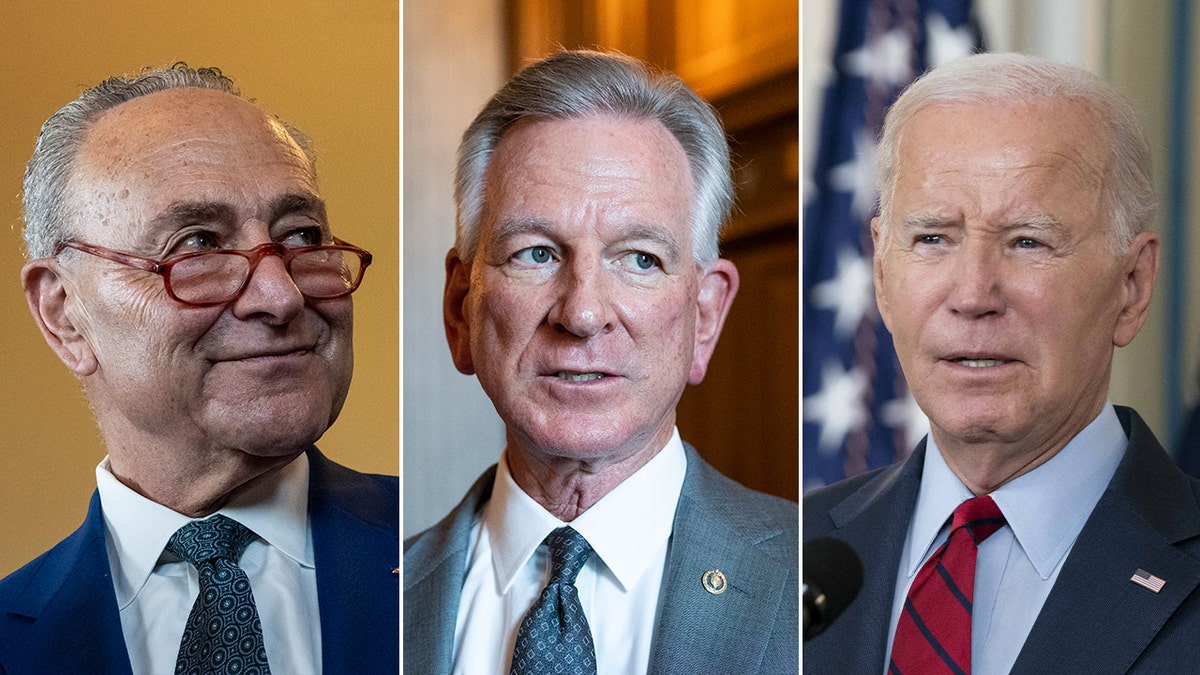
1127 195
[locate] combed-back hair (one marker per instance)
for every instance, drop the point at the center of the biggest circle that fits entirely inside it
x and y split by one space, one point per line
1006 79
577 84
47 202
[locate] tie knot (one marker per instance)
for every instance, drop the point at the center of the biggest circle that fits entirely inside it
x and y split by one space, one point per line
980 516
568 552
216 537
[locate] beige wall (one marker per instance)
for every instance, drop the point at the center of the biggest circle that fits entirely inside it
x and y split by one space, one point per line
454 60
331 68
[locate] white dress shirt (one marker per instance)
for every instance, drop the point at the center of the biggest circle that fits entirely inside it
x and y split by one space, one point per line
507 567
1017 566
155 590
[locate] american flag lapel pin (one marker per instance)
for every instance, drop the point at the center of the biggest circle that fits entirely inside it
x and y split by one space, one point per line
1146 580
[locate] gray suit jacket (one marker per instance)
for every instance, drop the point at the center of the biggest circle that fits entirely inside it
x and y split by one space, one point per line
751 537
1094 621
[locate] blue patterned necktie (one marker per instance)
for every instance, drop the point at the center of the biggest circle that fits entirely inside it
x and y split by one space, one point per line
223 635
554 637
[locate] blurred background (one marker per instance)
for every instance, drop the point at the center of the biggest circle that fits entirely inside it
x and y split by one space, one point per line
741 55
856 55
330 68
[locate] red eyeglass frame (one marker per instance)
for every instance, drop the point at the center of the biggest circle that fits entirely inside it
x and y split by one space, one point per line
254 255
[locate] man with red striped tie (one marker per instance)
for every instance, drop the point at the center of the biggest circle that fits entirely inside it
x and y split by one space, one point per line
1038 528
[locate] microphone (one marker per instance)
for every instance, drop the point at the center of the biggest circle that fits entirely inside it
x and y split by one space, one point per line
832 577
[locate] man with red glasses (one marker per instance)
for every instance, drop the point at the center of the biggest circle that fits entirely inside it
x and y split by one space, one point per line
182 267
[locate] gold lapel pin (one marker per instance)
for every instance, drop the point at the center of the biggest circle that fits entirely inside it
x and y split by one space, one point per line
714 582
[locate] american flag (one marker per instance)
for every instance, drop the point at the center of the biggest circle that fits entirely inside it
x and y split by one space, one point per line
857 411
1146 580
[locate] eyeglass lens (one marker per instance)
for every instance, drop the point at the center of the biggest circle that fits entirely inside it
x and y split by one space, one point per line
216 277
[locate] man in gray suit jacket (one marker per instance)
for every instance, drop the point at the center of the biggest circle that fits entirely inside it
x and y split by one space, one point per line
585 291
1012 255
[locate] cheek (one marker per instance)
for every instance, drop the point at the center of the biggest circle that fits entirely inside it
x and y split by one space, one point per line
659 321
504 311
134 323
339 317
909 300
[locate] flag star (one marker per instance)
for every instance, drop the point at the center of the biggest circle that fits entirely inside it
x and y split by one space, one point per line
885 61
849 294
838 406
857 176
904 413
945 43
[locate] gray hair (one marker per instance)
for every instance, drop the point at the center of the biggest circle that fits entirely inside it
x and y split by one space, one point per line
1127 195
575 84
46 197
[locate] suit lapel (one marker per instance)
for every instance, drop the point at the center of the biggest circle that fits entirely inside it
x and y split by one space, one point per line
66 617
435 564
748 612
874 521
356 552
1096 619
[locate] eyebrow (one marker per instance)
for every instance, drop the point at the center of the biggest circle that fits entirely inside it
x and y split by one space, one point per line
297 202
1038 222
522 226
181 212
925 220
929 220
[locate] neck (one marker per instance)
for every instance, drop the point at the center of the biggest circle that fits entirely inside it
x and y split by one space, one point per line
567 487
985 464
195 485
983 472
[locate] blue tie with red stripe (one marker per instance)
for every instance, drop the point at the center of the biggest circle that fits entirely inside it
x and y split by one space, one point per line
934 632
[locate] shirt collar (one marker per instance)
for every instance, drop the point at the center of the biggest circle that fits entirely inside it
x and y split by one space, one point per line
275 509
1067 486
634 517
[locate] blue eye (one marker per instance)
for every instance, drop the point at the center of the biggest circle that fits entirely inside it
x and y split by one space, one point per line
930 239
538 255
641 261
1026 242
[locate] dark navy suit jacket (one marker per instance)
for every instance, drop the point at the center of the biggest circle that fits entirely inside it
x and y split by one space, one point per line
1095 619
58 614
751 537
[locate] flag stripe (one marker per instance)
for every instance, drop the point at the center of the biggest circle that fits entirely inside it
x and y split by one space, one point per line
857 412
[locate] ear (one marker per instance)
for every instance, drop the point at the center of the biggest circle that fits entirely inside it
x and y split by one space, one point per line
454 312
877 263
50 300
718 286
1140 274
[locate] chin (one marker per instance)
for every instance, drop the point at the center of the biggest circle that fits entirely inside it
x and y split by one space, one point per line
594 440
272 435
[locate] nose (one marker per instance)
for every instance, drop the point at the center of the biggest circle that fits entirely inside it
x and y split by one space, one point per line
977 285
270 294
583 303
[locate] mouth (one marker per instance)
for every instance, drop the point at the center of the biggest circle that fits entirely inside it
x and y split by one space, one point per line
979 363
572 376
269 354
